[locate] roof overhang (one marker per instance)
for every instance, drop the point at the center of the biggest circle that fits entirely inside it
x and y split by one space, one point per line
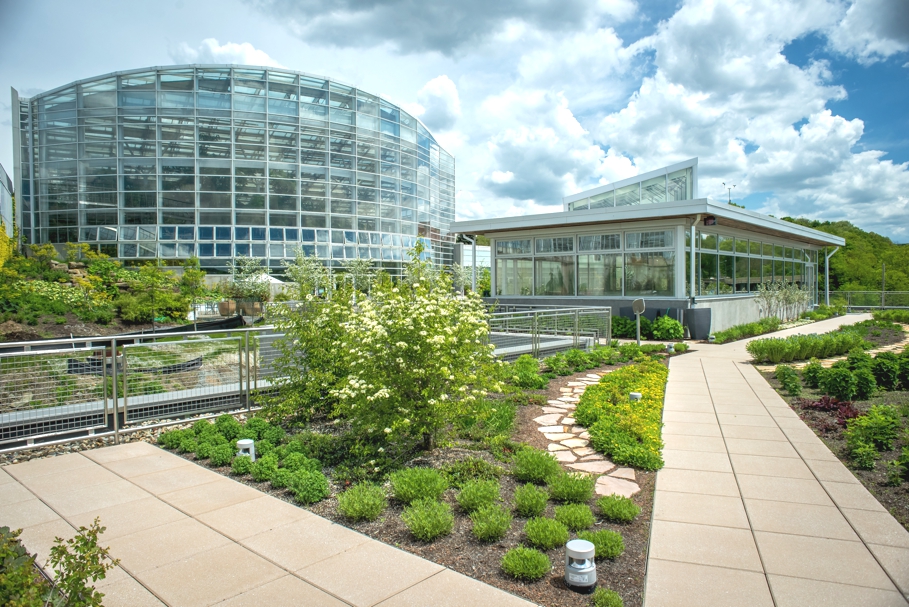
725 214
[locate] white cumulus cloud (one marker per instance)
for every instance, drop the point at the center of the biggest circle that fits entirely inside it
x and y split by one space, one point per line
438 104
210 51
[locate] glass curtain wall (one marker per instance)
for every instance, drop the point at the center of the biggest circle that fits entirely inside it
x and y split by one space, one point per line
217 162
664 188
729 265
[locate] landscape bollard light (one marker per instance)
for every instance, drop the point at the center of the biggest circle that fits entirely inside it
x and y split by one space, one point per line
711 339
635 396
670 348
247 447
580 567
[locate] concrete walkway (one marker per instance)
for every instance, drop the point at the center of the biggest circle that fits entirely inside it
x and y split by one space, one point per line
188 536
752 509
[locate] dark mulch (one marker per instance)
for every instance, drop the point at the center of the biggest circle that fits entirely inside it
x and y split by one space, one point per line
885 336
824 424
462 552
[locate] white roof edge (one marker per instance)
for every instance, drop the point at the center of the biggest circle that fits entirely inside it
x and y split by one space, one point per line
690 163
703 206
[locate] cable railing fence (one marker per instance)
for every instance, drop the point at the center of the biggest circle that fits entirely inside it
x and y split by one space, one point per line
869 300
60 390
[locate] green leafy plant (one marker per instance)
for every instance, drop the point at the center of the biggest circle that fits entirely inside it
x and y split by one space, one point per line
864 455
533 465
298 461
530 501
221 455
471 469
490 523
789 379
680 348
428 519
362 502
865 384
667 328
412 484
282 478
575 516
228 427
241 464
264 468
606 598
617 508
812 373
526 563
886 369
77 562
607 544
308 486
478 494
527 373
571 487
838 382
765 325
879 428
545 533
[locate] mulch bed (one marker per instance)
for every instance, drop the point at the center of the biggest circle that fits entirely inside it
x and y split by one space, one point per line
824 424
462 552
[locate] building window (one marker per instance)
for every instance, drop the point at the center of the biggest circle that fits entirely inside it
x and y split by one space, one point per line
513 247
600 275
554 275
514 276
650 273
555 245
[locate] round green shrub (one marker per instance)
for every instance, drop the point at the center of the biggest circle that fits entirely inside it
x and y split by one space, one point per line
865 384
202 427
545 533
534 466
571 487
886 370
362 502
606 598
812 373
282 478
607 544
526 563
428 519
228 427
298 461
264 468
171 439
527 373
838 382
308 486
665 328
864 456
478 494
617 508
220 455
490 523
241 464
530 501
188 444
412 484
575 516
463 471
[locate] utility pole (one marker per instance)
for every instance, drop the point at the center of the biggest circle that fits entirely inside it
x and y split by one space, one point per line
730 191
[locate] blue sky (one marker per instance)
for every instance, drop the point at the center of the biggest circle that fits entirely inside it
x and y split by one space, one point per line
800 103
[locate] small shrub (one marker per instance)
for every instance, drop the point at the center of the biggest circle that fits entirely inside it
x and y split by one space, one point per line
171 439
789 379
264 468
557 364
188 444
617 508
534 466
220 455
666 328
526 563
680 347
896 471
545 533
241 464
606 598
362 502
428 519
262 430
571 487
298 461
886 371
607 544
412 484
471 469
228 427
863 455
838 382
865 384
527 373
878 428
575 516
282 478
858 359
308 486
812 373
478 494
490 523
530 501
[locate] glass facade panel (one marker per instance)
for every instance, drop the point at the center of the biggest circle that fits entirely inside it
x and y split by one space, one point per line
600 275
707 273
514 276
600 242
513 247
629 195
554 275
650 273
555 245
653 190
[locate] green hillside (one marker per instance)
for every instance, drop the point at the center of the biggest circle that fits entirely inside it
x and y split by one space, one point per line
857 266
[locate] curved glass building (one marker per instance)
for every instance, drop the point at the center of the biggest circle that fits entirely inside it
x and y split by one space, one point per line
216 161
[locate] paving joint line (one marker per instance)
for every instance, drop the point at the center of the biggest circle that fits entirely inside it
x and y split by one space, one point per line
826 492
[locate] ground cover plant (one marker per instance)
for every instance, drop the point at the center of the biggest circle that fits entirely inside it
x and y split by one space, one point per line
428 519
362 502
490 523
834 343
617 508
526 563
545 533
626 431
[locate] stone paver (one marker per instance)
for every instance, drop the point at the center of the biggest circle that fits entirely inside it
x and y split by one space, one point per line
190 537
751 507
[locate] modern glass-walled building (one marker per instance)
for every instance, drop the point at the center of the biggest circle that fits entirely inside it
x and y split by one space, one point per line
650 237
219 161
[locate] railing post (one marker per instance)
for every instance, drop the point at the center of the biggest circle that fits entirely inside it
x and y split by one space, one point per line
534 335
125 386
248 370
113 366
577 334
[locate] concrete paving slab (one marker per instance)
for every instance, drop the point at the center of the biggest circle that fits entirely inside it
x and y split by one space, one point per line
799 519
60 482
145 464
173 479
252 517
26 513
721 511
800 491
132 517
704 545
46 465
86 499
287 591
451 589
39 539
673 584
696 460
157 546
799 592
12 493
691 429
754 433
852 495
681 442
895 562
732 419
697 481
383 572
303 542
769 448
770 466
210 496
876 527
121 452
831 471
128 592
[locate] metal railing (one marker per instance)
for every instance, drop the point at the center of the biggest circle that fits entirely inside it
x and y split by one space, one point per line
61 390
869 300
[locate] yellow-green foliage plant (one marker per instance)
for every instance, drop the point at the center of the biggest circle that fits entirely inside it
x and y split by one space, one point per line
6 245
627 431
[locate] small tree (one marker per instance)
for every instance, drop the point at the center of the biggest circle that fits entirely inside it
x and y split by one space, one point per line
307 272
359 274
249 282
